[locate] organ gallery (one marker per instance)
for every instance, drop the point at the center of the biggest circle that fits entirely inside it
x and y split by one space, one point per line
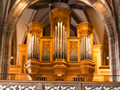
59 56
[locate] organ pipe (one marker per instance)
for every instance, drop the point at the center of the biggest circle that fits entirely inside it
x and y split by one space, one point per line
55 44
85 52
65 44
63 41
59 41
33 48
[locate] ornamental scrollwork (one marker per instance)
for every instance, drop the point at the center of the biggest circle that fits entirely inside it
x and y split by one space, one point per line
60 19
101 88
29 37
84 32
60 87
73 44
16 87
36 32
46 44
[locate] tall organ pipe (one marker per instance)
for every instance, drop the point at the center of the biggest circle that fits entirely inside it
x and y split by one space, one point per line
56 42
32 46
63 42
59 41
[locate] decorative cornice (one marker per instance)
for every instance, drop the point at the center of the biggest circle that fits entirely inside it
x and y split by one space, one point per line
84 29
34 28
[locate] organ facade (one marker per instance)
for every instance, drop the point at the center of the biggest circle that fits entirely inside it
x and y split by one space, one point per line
61 57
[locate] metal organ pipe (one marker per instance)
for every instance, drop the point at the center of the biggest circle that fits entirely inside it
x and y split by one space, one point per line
32 47
35 47
56 42
63 41
65 44
59 41
85 48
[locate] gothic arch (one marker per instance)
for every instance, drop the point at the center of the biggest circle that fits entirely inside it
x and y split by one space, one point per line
99 6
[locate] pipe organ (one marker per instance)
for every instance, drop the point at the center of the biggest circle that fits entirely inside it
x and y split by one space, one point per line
59 55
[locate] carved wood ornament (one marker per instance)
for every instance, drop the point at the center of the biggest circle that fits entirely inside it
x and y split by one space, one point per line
74 44
46 44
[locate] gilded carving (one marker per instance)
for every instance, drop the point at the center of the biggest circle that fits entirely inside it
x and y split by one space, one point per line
60 19
73 44
36 32
29 37
46 44
84 29
84 32
34 28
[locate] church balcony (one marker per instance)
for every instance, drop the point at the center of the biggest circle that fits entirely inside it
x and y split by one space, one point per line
57 85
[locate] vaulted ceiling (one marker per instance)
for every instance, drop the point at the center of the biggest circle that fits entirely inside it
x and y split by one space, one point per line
39 12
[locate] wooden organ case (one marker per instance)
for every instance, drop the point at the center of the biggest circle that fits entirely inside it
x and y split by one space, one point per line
59 56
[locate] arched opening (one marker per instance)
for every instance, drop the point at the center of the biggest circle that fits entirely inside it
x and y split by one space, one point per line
19 7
